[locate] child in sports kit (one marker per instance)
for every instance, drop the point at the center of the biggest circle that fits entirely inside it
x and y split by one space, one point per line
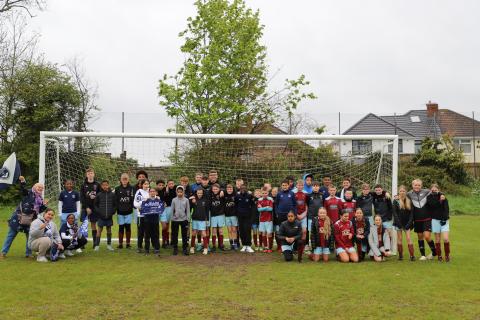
124 196
365 202
349 204
257 241
333 205
151 209
326 182
284 203
88 192
382 204
315 202
347 186
165 218
379 240
69 202
71 237
217 216
265 207
320 236
361 228
140 196
231 220
422 218
403 221
105 208
274 194
180 216
343 232
200 214
301 201
438 206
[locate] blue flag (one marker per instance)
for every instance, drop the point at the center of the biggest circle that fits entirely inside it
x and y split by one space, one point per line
9 172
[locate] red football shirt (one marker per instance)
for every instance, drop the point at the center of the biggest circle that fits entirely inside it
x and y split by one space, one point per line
342 230
333 205
301 200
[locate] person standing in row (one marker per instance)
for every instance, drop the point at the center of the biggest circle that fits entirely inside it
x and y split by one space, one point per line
180 215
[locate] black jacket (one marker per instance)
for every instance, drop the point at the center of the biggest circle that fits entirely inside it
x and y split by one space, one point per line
124 197
383 206
105 205
366 204
200 209
290 230
419 205
88 192
402 218
438 209
315 202
243 204
366 230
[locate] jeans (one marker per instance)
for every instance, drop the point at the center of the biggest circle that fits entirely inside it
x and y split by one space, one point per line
8 242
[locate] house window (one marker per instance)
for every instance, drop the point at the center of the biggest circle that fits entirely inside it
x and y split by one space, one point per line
418 146
361 146
464 144
400 146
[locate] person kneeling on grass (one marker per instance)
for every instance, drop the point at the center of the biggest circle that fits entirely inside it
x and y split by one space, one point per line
44 237
320 234
71 238
343 230
379 240
290 235
105 209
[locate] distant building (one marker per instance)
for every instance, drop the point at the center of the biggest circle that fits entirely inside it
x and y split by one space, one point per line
412 127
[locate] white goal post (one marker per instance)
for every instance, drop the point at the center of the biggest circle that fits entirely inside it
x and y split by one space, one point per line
56 139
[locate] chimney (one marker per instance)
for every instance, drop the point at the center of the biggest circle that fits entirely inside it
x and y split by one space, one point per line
432 108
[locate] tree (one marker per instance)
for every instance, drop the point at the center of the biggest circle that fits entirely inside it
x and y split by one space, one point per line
17 50
25 5
223 82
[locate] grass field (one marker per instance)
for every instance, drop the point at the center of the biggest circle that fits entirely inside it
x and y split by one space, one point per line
126 285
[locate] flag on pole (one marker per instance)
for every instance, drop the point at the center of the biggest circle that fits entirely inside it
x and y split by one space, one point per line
9 172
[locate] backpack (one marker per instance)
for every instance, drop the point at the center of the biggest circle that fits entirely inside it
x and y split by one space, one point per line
24 219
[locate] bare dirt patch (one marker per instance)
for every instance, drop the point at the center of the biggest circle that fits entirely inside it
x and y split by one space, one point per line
221 259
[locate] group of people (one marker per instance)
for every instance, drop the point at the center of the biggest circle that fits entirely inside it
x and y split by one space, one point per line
303 216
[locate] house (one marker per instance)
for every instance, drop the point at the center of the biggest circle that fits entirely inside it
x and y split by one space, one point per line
412 127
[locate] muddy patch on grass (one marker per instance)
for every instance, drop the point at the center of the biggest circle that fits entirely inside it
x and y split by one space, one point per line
222 259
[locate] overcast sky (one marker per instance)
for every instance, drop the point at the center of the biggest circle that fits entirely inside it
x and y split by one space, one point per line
377 56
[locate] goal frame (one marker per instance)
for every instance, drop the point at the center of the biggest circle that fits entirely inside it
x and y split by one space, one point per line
48 135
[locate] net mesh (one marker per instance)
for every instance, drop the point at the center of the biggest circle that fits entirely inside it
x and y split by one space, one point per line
255 161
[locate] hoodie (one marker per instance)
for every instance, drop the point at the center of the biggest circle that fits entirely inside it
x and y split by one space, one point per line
49 231
307 188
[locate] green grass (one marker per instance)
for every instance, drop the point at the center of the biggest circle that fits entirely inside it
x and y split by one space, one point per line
125 285
464 205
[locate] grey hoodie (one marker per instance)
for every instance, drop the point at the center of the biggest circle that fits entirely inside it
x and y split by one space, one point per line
373 242
180 209
49 231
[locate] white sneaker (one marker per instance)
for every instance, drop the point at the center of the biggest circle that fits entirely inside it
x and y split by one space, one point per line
423 258
430 257
79 250
109 247
205 251
250 250
97 248
244 249
42 259
192 250
61 256
69 253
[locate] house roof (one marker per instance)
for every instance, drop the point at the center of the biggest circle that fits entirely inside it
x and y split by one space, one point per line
373 124
417 124
457 125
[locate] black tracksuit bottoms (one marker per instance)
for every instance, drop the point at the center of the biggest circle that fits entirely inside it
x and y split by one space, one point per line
152 233
183 225
245 229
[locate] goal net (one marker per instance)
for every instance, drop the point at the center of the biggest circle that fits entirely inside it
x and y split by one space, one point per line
256 159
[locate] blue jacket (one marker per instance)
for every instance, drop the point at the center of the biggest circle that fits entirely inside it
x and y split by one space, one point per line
284 202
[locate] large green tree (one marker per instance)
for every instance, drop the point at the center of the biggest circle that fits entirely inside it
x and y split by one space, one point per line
223 83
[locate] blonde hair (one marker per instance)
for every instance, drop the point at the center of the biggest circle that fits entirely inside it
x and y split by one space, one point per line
326 225
417 181
405 203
